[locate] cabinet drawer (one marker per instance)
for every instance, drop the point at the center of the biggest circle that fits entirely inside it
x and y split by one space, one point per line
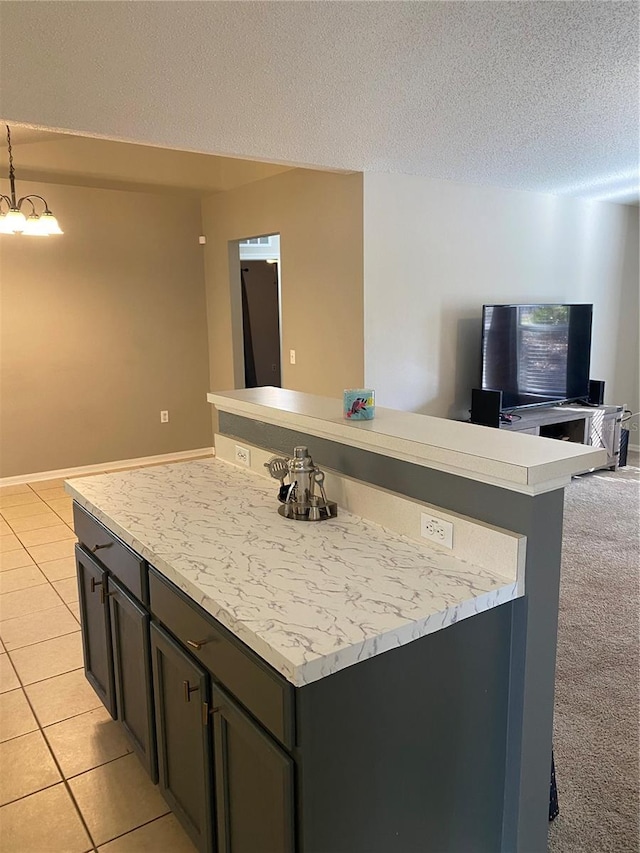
263 692
125 564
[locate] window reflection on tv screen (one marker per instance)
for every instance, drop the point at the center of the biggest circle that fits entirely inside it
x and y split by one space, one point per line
536 354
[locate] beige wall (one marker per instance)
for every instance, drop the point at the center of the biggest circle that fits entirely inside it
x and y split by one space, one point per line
319 218
101 329
435 251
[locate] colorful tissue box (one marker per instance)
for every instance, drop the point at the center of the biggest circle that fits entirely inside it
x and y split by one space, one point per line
359 404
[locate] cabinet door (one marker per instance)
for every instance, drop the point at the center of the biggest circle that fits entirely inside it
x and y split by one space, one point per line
183 734
96 627
132 667
254 784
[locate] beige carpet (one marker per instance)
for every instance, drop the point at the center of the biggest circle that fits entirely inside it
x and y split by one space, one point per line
597 684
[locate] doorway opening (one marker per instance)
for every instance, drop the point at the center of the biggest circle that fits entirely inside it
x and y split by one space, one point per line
260 311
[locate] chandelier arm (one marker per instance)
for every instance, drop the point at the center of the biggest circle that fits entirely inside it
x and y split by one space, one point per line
29 197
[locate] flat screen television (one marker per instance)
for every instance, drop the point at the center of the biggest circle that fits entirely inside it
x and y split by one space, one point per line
536 355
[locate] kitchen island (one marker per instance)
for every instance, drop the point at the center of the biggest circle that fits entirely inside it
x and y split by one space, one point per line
329 687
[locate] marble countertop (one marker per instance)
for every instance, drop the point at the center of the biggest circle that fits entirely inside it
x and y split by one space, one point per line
511 460
310 599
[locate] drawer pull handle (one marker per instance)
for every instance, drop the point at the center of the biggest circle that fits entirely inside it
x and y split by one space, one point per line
206 712
188 690
98 547
197 644
103 592
104 595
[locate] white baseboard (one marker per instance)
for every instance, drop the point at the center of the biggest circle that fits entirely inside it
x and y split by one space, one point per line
179 455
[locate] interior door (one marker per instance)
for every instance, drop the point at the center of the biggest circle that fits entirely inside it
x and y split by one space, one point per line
261 323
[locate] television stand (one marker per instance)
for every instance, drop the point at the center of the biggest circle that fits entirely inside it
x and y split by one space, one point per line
597 426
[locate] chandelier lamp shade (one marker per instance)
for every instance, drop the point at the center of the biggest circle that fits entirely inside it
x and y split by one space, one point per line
20 215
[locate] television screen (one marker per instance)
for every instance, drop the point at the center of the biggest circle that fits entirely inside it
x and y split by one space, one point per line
536 354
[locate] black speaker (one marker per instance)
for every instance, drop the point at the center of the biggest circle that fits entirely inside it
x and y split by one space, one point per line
624 447
596 392
486 407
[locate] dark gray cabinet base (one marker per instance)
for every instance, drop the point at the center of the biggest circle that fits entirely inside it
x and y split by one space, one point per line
184 737
132 670
254 784
96 628
405 752
234 792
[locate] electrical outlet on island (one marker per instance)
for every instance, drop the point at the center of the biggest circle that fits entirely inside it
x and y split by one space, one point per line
436 530
243 455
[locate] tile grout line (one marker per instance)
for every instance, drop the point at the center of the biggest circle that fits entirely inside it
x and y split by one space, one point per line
47 582
103 764
18 648
64 781
25 796
40 610
48 678
65 778
64 603
28 645
44 510
146 823
31 586
59 520
41 729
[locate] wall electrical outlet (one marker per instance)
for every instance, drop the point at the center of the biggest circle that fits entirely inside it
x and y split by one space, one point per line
243 455
292 356
164 417
436 530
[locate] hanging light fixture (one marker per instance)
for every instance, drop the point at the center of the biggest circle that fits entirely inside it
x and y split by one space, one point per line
13 220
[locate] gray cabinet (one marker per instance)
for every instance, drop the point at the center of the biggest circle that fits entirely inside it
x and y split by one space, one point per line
181 695
96 627
264 693
178 690
112 581
250 764
254 784
206 682
130 568
132 671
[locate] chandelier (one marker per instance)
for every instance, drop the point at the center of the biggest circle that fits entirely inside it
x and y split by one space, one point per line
13 220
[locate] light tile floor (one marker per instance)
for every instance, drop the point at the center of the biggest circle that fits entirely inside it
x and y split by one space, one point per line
69 781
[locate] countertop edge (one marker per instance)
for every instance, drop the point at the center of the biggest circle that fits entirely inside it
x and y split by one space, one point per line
530 479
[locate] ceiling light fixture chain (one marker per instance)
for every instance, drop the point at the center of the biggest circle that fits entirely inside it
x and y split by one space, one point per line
13 220
12 172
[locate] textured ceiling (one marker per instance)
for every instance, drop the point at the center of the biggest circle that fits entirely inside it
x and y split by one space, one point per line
531 95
